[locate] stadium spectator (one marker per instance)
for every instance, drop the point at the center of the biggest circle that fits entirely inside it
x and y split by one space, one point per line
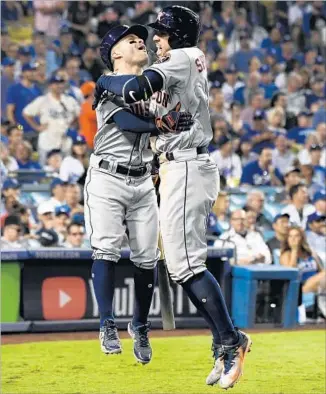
11 233
316 94
316 235
251 219
296 253
79 16
228 162
304 128
61 221
249 245
87 117
250 95
8 161
242 57
255 202
21 94
279 100
315 153
57 112
75 236
266 81
47 16
296 11
321 140
307 172
7 80
319 201
221 209
47 237
296 100
90 64
261 172
73 168
72 67
276 120
70 87
220 128
110 18
320 114
291 176
281 225
219 75
58 193
282 157
246 154
234 118
23 156
73 198
254 65
217 103
45 212
26 218
15 135
10 195
53 162
299 209
231 85
42 53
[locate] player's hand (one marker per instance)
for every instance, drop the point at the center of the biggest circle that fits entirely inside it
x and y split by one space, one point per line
174 121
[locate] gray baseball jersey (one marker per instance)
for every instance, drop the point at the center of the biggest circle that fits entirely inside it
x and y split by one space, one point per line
189 184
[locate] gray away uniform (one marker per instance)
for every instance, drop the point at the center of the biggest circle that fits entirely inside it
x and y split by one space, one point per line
114 202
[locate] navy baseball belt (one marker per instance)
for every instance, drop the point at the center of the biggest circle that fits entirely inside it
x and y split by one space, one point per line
200 150
135 172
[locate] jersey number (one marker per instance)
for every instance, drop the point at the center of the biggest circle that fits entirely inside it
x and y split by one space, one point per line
200 63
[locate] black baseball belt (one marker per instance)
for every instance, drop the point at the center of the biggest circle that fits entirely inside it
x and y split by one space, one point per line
200 150
135 172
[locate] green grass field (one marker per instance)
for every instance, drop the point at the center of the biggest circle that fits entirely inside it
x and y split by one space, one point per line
286 362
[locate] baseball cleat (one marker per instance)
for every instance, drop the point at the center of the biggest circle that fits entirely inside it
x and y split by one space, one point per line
234 361
142 347
109 338
216 372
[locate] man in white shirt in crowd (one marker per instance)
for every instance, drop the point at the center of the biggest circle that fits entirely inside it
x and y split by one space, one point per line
53 162
316 236
75 236
282 157
250 247
299 209
11 233
58 193
228 163
231 84
57 113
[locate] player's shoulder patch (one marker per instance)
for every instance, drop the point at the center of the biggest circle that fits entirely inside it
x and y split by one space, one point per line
163 59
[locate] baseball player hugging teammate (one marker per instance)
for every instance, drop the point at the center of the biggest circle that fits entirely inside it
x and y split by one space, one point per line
119 192
189 178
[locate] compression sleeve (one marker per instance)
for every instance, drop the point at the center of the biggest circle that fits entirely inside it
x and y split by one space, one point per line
134 123
131 87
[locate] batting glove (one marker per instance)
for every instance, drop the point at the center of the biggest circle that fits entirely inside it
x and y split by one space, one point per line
174 121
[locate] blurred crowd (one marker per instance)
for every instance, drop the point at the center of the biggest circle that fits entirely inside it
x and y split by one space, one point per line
266 70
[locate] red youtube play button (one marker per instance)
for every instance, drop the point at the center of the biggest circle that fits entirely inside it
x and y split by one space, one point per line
64 298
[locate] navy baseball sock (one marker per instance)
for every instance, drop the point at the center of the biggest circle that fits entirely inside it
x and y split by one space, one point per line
103 275
145 280
205 288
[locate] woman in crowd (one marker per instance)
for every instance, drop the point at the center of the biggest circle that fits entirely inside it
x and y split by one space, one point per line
222 212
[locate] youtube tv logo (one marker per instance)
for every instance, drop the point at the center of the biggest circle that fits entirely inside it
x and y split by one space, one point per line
64 298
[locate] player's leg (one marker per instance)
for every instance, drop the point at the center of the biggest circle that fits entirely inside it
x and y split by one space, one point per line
104 223
142 223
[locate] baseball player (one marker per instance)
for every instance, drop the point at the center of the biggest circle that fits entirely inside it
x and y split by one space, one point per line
119 192
189 178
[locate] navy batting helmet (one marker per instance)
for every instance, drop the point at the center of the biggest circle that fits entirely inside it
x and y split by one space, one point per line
182 25
116 34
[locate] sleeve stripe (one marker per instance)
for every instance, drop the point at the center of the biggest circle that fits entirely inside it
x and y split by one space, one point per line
114 111
149 83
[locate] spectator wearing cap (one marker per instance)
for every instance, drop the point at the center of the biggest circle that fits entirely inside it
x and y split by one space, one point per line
261 172
53 162
20 95
57 112
23 155
73 198
319 201
315 153
292 177
295 94
246 154
228 162
246 95
61 221
90 64
255 202
273 41
242 57
87 117
231 84
47 16
75 236
109 19
8 161
47 238
259 134
70 87
316 235
11 233
270 59
250 248
281 225
73 168
266 81
58 193
64 46
24 57
287 49
45 213
15 135
7 80
282 155
319 67
303 129
299 209
316 94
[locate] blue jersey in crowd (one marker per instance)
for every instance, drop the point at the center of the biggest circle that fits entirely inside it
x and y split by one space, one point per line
269 90
241 59
252 174
257 148
19 95
299 134
30 165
